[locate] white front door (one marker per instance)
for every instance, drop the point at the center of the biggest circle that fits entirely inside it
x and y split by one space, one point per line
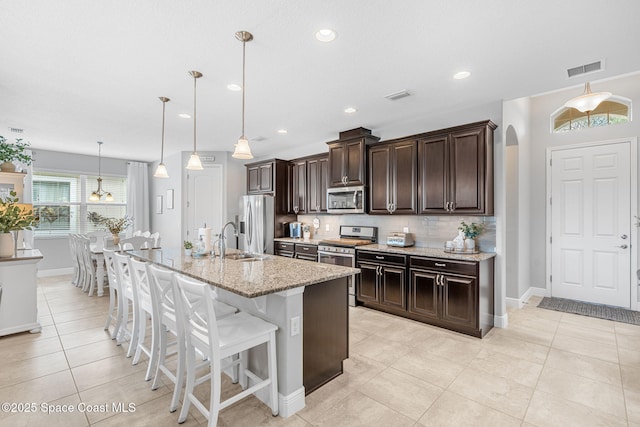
205 200
591 224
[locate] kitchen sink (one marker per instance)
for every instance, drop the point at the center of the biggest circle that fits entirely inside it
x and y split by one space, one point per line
243 256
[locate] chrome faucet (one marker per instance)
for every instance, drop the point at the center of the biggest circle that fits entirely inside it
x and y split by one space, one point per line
222 247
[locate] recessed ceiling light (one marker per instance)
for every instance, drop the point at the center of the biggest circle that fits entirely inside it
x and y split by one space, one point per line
350 110
282 131
461 75
326 35
184 115
234 87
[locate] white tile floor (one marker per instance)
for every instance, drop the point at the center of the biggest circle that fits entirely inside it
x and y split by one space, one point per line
546 369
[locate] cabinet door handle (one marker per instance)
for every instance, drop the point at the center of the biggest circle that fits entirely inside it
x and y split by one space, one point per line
439 264
305 249
437 280
379 257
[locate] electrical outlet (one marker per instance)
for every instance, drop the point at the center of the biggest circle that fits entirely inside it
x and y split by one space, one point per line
327 227
405 230
295 326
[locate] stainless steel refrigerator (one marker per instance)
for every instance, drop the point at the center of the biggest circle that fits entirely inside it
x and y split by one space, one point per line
257 224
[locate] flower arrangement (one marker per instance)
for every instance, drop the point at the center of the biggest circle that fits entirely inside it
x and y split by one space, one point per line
471 231
15 217
14 152
187 244
114 225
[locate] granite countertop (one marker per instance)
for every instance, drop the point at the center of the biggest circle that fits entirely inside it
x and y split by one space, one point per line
248 278
24 254
430 252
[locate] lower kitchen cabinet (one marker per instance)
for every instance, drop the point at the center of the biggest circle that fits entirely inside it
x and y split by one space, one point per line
307 252
382 280
452 294
285 249
457 295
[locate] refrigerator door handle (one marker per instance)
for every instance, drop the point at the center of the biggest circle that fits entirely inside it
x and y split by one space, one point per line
249 225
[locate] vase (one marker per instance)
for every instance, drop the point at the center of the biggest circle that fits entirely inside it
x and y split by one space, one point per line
7 248
116 239
7 167
470 244
187 252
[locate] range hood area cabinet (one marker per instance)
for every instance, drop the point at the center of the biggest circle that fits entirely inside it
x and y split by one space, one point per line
347 157
317 180
456 170
393 177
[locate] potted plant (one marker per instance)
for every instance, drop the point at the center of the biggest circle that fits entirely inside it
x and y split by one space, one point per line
13 217
10 153
188 247
114 225
470 231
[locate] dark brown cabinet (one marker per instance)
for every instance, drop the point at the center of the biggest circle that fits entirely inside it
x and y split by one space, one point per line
306 251
285 249
298 183
392 178
347 160
456 170
260 178
454 294
317 179
382 280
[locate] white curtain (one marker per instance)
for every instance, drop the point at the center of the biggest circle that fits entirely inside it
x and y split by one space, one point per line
138 196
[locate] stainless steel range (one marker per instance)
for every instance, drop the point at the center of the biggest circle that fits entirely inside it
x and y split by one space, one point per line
342 251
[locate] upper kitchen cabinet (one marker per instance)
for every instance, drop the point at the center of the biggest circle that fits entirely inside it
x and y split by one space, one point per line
298 186
268 176
317 179
392 177
347 157
456 170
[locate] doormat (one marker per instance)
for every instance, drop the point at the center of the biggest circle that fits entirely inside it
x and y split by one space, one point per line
592 310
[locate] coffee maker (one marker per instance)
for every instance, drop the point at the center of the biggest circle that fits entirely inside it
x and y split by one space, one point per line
295 230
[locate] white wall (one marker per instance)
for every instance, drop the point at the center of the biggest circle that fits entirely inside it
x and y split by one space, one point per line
541 139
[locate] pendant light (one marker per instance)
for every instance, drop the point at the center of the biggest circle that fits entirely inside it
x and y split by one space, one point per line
97 195
161 170
588 101
194 163
243 151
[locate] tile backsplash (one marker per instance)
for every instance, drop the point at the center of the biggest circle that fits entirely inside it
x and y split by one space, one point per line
428 231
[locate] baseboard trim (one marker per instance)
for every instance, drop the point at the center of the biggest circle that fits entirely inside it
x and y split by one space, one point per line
520 302
501 321
287 405
55 272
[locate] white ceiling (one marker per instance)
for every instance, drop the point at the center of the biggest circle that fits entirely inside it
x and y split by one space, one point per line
73 72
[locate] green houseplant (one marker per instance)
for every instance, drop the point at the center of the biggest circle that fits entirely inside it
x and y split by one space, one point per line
114 225
188 247
10 153
470 231
13 217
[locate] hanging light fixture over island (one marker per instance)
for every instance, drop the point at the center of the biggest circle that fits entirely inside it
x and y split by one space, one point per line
242 150
194 161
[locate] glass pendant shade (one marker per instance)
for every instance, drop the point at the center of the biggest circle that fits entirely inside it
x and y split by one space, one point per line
588 101
94 197
194 163
242 151
161 171
109 197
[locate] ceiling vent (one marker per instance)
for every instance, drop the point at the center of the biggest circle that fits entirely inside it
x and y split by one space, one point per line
207 159
16 130
398 95
584 69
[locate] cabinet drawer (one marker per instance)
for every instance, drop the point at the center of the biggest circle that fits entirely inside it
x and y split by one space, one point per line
284 246
303 248
382 257
467 268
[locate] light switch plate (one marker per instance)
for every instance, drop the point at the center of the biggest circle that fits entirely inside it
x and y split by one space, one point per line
405 230
295 326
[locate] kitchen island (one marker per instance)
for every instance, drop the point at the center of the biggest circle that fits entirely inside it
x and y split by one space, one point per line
307 301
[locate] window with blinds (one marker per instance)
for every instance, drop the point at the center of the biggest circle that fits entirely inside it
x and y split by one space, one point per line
61 202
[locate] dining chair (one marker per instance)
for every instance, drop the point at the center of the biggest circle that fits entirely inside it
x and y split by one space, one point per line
142 310
221 339
136 243
88 270
125 301
165 327
97 238
74 258
114 306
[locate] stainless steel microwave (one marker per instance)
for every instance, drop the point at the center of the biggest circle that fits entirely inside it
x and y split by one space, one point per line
342 200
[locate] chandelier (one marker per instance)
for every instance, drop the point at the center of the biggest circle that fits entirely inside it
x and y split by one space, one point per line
97 195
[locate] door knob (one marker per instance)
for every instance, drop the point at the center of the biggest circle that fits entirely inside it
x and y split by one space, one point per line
623 246
624 236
